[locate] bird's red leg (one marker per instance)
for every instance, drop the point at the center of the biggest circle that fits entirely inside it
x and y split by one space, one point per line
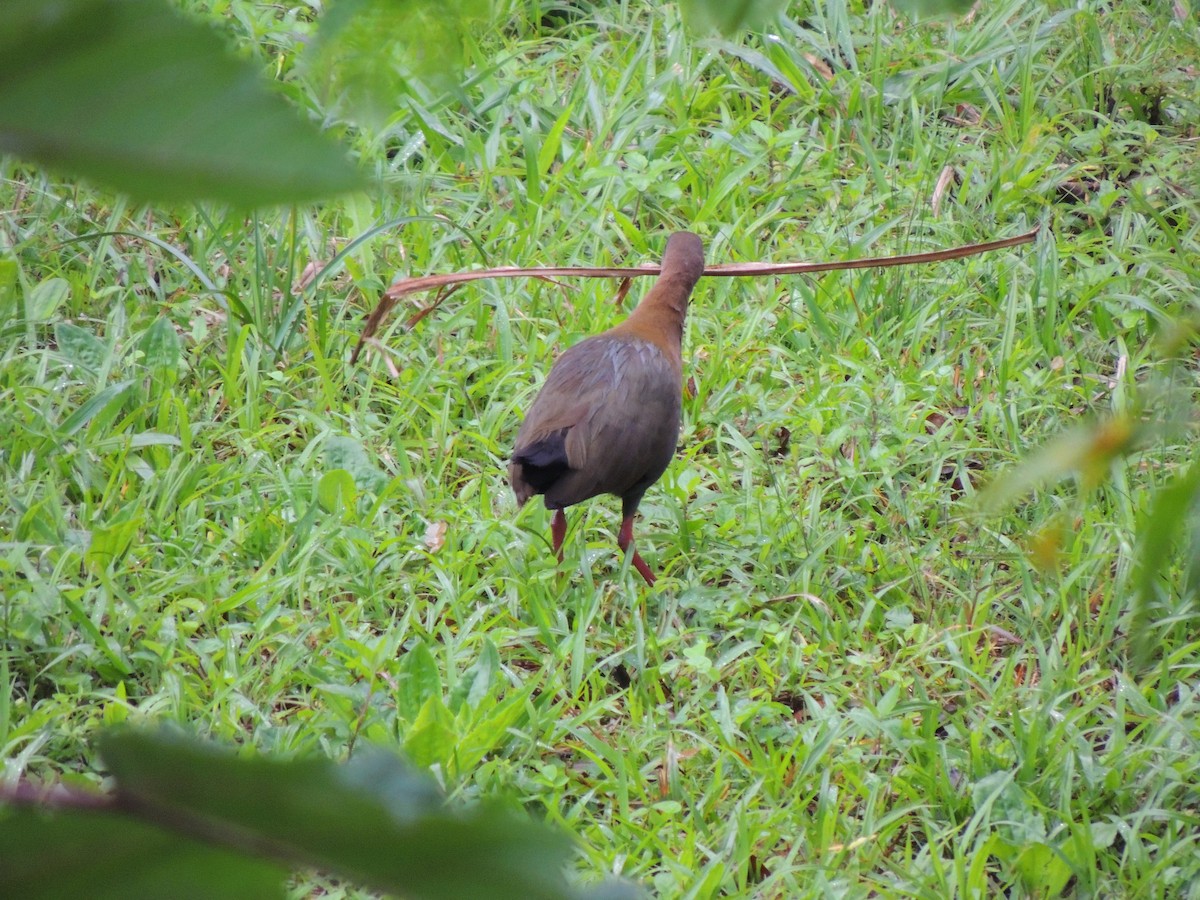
558 531
625 541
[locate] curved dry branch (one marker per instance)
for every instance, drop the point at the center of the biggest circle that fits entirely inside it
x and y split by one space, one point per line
407 286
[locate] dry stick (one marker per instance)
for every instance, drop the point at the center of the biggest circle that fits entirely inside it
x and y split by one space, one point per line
442 295
408 286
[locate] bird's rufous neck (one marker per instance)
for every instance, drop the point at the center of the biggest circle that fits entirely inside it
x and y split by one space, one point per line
668 297
659 317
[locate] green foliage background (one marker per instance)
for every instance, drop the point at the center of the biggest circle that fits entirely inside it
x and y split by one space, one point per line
846 682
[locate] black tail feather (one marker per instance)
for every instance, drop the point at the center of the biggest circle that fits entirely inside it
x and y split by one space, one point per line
544 461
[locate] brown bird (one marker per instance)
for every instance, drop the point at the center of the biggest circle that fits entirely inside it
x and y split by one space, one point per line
607 418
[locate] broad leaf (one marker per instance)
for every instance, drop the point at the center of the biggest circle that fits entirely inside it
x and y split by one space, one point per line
730 16
46 297
110 856
136 96
1160 533
374 819
80 347
162 351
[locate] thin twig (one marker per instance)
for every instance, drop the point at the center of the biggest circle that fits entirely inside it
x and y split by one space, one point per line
407 286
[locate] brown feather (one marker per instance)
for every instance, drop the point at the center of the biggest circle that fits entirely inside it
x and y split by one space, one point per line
607 418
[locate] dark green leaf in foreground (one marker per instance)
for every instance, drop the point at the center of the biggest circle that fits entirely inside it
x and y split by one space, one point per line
132 94
730 16
368 50
1087 451
1173 509
922 9
374 819
102 855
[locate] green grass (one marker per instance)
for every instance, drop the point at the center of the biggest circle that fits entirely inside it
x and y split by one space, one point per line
847 682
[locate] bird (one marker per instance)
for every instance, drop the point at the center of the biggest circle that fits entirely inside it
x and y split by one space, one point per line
607 418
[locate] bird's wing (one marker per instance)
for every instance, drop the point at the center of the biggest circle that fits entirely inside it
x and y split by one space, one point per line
610 411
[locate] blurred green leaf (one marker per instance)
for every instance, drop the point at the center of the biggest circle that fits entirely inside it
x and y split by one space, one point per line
80 347
432 737
420 680
336 493
104 401
1158 538
346 453
110 856
46 297
374 819
132 94
730 16
367 51
476 683
10 273
922 9
162 351
1087 451
110 541
1043 870
490 732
